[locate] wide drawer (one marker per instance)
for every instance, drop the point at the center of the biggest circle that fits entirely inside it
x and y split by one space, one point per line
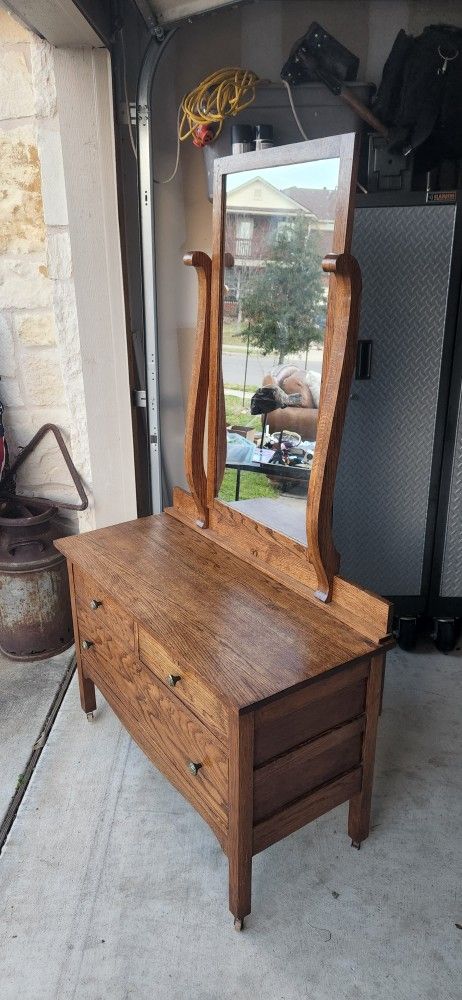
308 767
185 684
171 736
92 598
302 715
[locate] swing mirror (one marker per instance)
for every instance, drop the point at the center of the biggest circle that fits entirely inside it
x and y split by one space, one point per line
277 213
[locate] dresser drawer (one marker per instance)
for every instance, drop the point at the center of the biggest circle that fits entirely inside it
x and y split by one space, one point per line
305 714
92 598
185 684
310 766
170 735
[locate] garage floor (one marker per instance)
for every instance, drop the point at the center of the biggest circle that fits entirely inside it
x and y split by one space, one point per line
112 888
27 691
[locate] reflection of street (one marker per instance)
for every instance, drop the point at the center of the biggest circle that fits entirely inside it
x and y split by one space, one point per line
259 364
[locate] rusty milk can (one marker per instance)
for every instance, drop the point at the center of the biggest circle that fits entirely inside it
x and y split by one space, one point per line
35 607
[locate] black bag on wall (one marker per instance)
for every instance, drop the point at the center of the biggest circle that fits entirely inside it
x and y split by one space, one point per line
420 95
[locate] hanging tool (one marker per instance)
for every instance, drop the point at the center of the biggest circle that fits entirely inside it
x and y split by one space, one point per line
319 56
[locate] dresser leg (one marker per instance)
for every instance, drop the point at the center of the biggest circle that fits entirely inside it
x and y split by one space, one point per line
240 817
86 686
360 805
87 692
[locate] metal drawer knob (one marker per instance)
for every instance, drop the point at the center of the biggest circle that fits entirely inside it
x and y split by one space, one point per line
173 679
94 604
193 767
87 643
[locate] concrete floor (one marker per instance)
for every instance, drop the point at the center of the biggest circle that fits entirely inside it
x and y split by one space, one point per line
26 693
112 888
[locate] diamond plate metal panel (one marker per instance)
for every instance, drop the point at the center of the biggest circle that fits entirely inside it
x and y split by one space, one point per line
382 491
451 575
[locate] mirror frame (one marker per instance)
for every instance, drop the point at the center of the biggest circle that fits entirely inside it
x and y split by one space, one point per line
337 370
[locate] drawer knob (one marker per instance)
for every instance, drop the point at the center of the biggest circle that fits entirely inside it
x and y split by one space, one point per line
87 643
173 679
94 604
193 767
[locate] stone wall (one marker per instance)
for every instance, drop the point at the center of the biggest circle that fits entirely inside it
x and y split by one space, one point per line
40 362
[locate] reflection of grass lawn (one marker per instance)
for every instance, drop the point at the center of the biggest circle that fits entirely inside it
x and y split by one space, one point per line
253 484
236 413
239 387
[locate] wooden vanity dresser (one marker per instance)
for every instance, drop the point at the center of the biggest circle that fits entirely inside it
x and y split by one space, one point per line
245 668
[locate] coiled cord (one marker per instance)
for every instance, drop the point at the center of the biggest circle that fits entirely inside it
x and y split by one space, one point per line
221 95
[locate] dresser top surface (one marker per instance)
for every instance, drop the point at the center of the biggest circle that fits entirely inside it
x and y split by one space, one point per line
246 634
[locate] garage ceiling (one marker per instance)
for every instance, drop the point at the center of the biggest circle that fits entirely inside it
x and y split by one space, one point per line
168 11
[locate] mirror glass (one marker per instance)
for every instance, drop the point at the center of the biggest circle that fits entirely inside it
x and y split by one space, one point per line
279 224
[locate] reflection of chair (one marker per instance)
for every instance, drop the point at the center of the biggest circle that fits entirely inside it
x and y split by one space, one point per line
303 418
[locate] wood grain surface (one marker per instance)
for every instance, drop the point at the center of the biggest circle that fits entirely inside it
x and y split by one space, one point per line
360 805
313 764
340 341
86 685
298 717
109 613
189 688
305 809
246 635
169 734
240 814
285 560
198 386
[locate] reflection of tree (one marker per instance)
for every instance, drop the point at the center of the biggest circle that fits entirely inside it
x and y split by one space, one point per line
283 301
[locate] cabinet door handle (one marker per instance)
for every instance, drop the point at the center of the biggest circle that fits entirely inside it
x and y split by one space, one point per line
193 767
173 679
94 604
87 643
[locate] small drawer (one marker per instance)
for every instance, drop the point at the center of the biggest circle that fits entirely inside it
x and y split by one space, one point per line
97 641
173 739
185 684
308 767
302 715
92 599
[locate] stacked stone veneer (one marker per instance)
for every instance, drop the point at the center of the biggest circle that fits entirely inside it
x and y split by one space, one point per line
40 370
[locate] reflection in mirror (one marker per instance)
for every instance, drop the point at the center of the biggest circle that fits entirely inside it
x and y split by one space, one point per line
279 224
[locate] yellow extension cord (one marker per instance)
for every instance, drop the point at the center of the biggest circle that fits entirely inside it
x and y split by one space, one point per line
219 96
222 94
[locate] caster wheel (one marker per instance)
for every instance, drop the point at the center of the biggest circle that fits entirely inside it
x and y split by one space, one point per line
356 844
407 632
238 924
90 716
445 634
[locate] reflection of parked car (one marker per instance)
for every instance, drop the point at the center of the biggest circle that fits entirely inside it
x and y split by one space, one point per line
304 418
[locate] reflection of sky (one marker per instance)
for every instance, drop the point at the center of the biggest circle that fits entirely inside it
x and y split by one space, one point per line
317 174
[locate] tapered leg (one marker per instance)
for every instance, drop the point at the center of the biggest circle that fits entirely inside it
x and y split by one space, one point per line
87 691
360 805
240 817
86 686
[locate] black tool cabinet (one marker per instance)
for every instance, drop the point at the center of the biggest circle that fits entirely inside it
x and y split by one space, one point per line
398 501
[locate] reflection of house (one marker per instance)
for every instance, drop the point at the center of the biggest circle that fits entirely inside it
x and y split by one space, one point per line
255 212
321 203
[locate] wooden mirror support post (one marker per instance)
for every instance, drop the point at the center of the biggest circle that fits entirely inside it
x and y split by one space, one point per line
247 670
